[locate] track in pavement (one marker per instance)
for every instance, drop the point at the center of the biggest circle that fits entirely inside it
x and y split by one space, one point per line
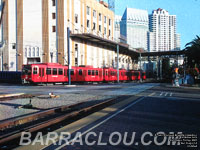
160 113
171 111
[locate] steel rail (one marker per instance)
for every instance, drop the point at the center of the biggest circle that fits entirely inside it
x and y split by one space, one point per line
53 121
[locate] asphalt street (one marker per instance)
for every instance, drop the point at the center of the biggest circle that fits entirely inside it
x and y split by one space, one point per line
157 116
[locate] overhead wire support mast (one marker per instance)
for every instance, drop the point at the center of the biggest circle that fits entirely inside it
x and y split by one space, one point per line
68 48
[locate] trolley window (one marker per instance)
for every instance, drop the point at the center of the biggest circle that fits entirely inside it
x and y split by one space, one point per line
35 70
48 71
60 71
93 72
72 71
89 72
97 72
80 72
55 71
136 74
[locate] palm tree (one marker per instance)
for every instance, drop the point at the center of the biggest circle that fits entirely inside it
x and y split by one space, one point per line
193 52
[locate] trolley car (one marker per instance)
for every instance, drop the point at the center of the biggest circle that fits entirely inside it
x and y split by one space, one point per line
56 73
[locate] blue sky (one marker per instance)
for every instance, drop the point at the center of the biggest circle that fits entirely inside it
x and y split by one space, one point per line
187 12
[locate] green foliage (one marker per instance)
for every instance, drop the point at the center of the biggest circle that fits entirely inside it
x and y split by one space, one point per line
193 53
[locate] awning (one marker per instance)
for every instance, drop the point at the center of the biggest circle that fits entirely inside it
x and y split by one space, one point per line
123 48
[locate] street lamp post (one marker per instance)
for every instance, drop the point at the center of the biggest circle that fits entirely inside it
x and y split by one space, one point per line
118 63
140 66
68 48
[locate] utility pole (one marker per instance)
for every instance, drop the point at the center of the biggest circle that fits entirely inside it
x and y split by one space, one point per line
68 48
117 63
158 64
140 66
160 67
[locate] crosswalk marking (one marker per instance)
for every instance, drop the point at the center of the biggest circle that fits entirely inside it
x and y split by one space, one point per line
165 94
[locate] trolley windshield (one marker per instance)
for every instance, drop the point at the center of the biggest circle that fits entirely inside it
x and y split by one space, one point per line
26 70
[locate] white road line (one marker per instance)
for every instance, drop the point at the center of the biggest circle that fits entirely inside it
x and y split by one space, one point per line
161 94
166 94
171 94
115 114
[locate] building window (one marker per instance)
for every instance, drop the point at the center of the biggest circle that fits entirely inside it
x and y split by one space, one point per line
99 16
104 19
25 52
29 52
88 23
76 61
33 52
76 54
76 18
53 28
53 15
99 28
88 10
109 22
53 2
105 30
38 51
94 14
13 46
94 26
109 33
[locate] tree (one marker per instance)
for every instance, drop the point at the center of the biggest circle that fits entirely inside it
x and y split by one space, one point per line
192 52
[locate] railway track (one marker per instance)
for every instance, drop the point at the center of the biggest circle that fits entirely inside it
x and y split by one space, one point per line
15 96
11 129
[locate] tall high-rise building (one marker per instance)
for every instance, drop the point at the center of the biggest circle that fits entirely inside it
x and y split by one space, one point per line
134 26
162 36
117 27
178 41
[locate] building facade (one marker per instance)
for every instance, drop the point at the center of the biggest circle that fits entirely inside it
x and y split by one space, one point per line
39 34
162 36
135 26
117 27
178 41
